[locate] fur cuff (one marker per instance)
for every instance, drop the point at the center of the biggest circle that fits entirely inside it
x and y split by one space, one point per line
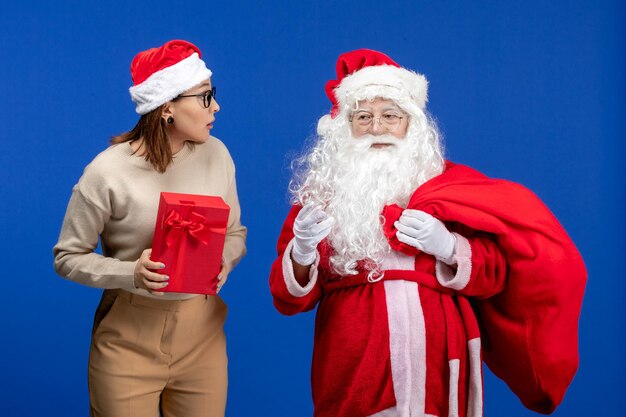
447 276
294 288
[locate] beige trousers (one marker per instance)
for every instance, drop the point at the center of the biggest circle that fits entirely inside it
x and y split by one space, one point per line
155 356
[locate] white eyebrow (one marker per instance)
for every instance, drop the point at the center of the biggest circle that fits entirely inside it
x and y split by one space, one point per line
385 109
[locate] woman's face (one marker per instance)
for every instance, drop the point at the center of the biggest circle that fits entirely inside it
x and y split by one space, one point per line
192 121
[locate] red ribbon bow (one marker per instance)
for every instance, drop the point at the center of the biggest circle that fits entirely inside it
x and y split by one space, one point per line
194 224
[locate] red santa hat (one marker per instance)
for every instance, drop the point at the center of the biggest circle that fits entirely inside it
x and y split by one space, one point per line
161 74
366 74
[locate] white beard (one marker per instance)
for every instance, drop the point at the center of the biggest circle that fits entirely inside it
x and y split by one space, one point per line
365 181
353 182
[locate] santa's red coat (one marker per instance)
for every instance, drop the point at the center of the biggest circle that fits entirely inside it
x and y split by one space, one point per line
409 344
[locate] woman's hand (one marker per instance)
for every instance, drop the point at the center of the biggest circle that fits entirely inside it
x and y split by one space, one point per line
222 276
146 279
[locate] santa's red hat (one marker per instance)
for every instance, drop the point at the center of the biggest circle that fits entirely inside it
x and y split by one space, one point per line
366 74
160 74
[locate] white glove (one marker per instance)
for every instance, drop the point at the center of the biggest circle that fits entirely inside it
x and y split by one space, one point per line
311 226
426 233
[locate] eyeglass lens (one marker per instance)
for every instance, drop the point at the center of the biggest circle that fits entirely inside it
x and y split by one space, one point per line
208 97
365 120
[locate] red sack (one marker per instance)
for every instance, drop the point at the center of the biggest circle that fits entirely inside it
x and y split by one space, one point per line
530 329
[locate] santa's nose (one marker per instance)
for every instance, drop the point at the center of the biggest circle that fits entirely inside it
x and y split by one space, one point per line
377 126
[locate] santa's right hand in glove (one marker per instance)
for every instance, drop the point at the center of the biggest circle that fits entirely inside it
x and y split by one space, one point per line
311 226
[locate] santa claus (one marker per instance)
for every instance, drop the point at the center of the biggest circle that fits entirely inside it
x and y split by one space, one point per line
392 243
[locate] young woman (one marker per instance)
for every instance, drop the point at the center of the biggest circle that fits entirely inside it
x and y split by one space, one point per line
153 352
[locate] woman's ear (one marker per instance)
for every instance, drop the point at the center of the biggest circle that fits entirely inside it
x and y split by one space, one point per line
168 111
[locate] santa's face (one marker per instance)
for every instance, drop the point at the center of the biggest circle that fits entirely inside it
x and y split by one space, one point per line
359 166
378 117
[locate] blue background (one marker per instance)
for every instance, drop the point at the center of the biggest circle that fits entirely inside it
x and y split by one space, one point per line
530 91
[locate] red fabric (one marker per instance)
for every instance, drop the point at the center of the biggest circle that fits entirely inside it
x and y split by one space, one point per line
346 322
530 329
349 63
153 60
351 370
437 370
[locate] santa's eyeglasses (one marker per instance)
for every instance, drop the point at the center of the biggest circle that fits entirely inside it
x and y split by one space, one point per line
206 97
364 120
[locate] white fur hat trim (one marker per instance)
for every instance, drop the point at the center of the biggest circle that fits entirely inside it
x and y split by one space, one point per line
384 81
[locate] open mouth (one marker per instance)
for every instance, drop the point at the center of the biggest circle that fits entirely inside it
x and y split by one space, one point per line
381 145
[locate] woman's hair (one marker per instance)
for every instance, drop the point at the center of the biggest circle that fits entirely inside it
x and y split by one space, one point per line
152 129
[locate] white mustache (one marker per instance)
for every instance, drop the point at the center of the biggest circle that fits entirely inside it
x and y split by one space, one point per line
364 143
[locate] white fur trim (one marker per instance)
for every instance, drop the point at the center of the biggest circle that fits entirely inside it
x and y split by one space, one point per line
453 394
463 258
475 396
324 124
393 412
166 84
398 84
398 261
294 288
407 346
418 349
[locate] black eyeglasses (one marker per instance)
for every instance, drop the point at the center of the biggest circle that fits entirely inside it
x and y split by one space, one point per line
206 97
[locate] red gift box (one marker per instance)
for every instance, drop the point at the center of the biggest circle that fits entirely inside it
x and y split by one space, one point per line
189 239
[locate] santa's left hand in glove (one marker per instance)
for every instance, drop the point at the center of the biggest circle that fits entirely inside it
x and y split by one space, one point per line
426 233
